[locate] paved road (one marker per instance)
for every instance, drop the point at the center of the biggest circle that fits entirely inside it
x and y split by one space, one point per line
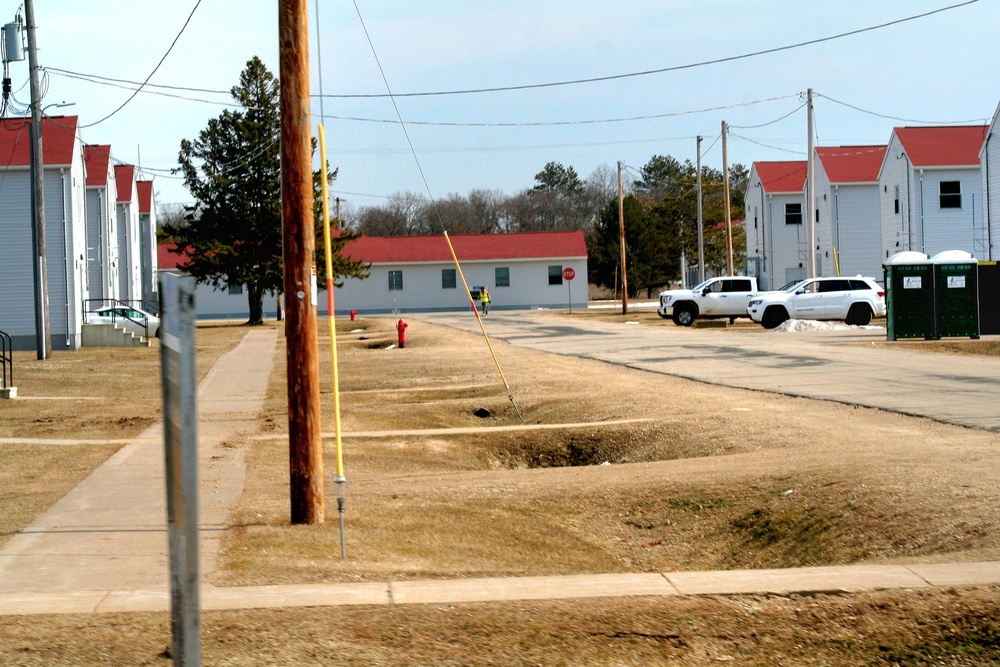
848 366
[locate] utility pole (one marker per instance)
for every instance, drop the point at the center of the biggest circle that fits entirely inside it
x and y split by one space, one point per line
810 190
621 241
43 335
340 225
304 436
701 230
725 196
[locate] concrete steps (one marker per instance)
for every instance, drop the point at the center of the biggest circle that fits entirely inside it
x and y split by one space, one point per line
111 335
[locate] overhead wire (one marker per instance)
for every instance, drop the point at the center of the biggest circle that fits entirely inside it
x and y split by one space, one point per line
451 248
158 65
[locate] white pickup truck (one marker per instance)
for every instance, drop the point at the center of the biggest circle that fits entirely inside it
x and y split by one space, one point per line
722 297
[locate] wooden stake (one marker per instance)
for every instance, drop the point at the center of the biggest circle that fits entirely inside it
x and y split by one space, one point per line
621 232
304 437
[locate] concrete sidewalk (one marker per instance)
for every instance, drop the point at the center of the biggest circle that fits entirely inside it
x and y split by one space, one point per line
109 533
811 580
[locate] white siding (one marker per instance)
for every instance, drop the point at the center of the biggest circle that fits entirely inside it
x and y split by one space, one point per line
756 226
895 176
129 254
939 229
422 287
858 232
825 265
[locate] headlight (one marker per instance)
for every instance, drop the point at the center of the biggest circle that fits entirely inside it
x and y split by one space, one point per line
664 300
755 302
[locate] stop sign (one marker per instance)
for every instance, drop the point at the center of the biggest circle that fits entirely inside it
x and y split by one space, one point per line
569 274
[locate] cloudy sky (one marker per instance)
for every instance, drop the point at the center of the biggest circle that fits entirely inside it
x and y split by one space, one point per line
940 68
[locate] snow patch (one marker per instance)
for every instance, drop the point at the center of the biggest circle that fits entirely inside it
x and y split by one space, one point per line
795 326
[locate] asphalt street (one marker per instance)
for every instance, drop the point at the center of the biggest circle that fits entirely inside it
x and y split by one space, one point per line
856 366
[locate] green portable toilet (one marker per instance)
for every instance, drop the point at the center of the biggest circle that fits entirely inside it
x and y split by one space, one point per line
909 296
956 294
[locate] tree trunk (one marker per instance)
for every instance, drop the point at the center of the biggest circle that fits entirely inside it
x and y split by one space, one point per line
255 298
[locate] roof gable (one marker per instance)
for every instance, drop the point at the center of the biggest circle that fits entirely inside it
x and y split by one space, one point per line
145 190
852 164
58 141
124 177
954 146
97 160
777 177
468 247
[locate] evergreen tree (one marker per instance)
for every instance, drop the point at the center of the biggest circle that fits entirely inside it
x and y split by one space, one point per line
232 235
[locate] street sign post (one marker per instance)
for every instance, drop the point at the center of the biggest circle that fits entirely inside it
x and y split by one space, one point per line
180 439
568 275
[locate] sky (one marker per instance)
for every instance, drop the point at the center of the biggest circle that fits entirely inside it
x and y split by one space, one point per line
936 69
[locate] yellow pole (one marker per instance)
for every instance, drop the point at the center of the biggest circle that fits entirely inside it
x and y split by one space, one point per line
510 395
339 479
836 261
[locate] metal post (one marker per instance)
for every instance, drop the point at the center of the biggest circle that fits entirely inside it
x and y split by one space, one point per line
725 195
701 231
304 436
43 335
810 190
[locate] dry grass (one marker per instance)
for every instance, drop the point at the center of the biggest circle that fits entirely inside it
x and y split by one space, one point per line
958 628
732 479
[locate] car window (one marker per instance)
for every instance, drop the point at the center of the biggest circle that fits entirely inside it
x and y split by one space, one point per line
860 284
834 286
716 287
809 288
739 286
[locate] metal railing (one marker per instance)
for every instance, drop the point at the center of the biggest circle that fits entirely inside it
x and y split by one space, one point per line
6 361
89 308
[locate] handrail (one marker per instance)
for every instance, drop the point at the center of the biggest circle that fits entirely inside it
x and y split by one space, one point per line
6 361
123 304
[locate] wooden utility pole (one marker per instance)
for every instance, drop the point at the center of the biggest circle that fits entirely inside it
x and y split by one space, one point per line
621 232
43 336
725 195
304 437
701 229
810 211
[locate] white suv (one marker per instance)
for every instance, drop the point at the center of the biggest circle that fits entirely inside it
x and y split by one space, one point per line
853 300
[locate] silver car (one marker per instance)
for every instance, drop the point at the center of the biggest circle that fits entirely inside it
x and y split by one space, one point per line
131 319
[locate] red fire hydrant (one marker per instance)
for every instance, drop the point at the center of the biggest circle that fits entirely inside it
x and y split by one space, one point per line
353 314
401 332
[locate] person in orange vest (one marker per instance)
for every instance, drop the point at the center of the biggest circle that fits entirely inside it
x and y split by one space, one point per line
484 299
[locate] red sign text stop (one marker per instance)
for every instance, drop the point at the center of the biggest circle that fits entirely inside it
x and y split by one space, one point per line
568 274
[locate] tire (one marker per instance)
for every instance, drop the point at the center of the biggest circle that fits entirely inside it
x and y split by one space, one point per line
684 315
773 317
860 314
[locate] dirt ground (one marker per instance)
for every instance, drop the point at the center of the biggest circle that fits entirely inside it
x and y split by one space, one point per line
692 477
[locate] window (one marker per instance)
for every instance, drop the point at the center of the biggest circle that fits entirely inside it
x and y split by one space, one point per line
738 285
395 281
951 194
840 285
555 275
501 276
793 214
448 279
895 204
236 289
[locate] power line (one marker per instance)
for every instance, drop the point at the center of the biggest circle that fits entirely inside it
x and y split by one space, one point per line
663 70
136 92
976 121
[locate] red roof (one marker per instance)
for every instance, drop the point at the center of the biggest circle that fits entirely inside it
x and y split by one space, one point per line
468 247
166 257
145 189
955 146
58 140
124 176
782 176
96 159
852 164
